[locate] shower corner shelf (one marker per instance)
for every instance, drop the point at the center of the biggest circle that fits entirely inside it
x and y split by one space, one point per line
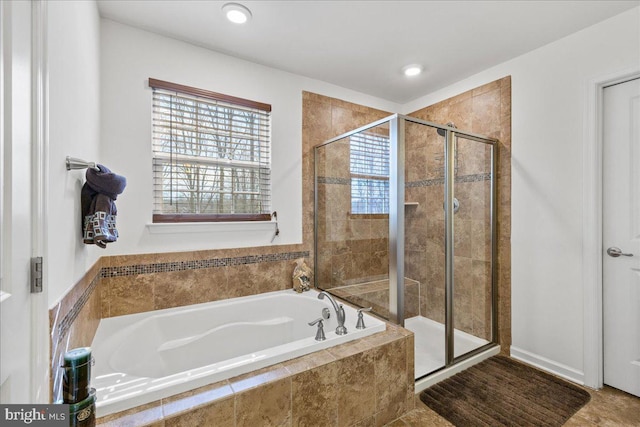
411 203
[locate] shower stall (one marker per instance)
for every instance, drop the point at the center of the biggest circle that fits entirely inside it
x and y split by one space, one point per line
405 224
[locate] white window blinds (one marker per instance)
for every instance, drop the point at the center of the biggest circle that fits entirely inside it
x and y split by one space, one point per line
369 163
211 156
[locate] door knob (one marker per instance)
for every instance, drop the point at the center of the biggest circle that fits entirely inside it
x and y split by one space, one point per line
616 252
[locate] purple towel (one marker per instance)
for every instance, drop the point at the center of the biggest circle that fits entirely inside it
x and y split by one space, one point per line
97 200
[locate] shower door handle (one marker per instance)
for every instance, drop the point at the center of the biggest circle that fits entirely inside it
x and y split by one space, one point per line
616 252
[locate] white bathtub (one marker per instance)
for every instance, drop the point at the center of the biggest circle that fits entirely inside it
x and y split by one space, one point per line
140 358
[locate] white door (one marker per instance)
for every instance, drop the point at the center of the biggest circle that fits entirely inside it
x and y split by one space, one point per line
16 140
621 236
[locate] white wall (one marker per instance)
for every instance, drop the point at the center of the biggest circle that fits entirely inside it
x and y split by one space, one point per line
549 87
129 57
74 129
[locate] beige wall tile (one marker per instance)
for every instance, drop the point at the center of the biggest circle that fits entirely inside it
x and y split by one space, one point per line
221 413
390 381
485 110
494 85
410 369
316 121
105 298
269 405
356 377
314 397
180 288
130 294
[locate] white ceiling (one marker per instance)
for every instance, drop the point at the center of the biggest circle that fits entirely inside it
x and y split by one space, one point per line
362 45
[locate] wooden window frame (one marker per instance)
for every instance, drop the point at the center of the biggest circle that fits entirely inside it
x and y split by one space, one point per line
203 93
363 176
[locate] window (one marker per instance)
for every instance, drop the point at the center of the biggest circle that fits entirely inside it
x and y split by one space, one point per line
210 156
369 164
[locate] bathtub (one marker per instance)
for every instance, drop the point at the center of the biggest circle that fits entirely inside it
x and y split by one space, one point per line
140 358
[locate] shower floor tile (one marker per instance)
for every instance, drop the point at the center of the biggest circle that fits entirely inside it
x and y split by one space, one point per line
430 344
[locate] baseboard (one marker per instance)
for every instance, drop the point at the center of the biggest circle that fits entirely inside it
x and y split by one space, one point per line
548 365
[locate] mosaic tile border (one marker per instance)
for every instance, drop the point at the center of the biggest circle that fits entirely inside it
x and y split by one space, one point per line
164 267
439 181
131 270
70 317
333 180
422 183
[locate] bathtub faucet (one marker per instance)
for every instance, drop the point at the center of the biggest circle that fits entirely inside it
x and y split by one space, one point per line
340 330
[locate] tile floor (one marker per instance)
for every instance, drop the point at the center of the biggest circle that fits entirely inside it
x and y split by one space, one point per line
608 407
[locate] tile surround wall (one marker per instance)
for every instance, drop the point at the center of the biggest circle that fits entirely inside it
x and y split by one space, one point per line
347 245
73 322
485 110
145 287
132 284
350 248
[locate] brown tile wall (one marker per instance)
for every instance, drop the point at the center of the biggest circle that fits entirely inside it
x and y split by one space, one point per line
485 110
131 284
73 322
186 278
351 248
363 382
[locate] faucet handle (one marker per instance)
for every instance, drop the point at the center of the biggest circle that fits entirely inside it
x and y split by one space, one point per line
360 324
319 319
320 332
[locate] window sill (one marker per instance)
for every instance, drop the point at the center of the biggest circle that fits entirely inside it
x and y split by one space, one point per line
205 227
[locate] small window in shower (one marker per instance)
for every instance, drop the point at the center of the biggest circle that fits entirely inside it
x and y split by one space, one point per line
369 167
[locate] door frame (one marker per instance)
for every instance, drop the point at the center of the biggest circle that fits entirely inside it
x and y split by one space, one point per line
36 306
592 178
40 336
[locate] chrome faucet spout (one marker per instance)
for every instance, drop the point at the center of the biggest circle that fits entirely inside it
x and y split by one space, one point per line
340 316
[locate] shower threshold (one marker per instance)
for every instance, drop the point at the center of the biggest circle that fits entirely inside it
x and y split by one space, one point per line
429 338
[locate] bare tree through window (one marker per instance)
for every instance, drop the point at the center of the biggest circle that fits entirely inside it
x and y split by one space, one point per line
210 157
369 164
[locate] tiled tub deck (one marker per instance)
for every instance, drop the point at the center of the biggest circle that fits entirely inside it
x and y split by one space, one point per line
366 382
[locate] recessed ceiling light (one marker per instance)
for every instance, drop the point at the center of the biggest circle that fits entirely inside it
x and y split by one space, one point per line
412 70
236 13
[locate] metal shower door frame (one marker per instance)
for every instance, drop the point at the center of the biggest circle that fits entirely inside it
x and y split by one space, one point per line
397 124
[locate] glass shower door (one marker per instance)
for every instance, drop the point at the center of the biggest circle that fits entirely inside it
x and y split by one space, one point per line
472 287
424 245
405 224
352 218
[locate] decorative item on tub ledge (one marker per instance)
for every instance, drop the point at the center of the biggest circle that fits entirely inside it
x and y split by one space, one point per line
97 200
77 391
301 277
